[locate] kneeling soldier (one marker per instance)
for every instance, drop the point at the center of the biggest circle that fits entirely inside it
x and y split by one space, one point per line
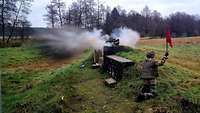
149 75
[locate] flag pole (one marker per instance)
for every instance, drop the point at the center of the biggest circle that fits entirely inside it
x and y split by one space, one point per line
167 46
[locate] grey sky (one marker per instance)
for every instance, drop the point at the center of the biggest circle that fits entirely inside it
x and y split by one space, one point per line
164 6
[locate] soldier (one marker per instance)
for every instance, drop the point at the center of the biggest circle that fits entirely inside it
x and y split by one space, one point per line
149 75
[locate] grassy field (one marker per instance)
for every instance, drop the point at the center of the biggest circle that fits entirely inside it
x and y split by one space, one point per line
33 83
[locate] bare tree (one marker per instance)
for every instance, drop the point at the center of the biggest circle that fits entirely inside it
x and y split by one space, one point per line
2 21
101 13
98 13
52 15
77 13
60 5
23 9
146 13
86 14
89 14
24 26
15 21
68 17
8 8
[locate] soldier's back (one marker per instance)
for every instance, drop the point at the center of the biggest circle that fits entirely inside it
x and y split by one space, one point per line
149 69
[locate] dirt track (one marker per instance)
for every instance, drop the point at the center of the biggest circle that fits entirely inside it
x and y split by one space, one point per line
45 63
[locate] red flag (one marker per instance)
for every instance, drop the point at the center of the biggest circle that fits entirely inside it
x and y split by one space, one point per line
169 38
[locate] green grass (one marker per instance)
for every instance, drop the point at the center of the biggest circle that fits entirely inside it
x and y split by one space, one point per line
29 91
40 90
175 78
17 55
186 56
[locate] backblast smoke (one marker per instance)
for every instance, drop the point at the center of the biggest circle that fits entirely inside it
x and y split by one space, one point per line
69 41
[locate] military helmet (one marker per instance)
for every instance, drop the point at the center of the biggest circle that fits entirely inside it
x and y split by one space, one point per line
150 54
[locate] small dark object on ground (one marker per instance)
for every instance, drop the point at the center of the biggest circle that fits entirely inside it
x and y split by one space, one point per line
160 110
95 65
15 81
25 107
190 107
57 108
82 66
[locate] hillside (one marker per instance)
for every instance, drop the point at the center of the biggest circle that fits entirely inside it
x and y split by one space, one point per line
33 83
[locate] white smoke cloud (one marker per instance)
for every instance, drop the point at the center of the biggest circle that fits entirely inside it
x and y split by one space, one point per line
73 39
95 39
127 37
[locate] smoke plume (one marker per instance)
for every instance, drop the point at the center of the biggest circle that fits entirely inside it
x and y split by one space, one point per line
66 42
127 36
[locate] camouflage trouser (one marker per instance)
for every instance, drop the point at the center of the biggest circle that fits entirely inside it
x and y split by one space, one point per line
149 87
148 90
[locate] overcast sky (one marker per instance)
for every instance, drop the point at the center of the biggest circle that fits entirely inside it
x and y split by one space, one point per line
165 7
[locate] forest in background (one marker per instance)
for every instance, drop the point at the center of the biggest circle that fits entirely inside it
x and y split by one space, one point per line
90 14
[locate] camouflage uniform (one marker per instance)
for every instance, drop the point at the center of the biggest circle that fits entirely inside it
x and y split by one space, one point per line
150 73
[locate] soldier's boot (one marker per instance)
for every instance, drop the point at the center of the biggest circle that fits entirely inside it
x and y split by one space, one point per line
140 97
146 89
144 94
153 90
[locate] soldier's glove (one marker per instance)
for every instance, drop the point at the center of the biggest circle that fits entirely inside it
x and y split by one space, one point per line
166 54
164 58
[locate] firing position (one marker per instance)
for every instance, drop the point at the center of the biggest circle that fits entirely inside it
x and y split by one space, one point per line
149 75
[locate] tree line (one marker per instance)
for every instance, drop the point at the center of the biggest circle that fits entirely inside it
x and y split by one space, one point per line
89 14
82 13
